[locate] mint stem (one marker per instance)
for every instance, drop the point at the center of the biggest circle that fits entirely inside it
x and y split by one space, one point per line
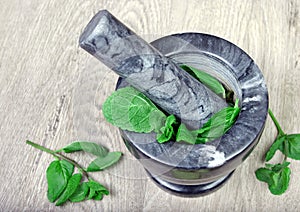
60 156
37 146
285 151
280 131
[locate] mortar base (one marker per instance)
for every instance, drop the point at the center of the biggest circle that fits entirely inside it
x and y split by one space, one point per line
189 190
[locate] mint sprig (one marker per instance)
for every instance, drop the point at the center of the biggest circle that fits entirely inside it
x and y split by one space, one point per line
277 176
64 185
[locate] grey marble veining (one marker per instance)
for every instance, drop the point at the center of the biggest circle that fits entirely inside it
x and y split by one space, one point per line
145 68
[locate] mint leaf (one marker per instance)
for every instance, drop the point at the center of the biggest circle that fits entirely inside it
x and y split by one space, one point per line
129 109
80 193
101 163
212 83
90 147
96 189
276 176
214 128
183 134
58 174
264 175
278 167
218 124
291 147
275 146
281 178
167 131
98 196
72 185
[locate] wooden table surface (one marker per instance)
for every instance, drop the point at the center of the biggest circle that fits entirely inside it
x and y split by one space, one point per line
51 92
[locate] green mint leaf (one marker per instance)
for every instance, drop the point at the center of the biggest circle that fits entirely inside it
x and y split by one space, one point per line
80 193
279 166
167 131
72 185
186 135
275 146
129 109
98 196
281 179
214 128
276 176
264 175
92 194
218 124
96 189
90 147
102 163
212 83
58 174
291 147
157 120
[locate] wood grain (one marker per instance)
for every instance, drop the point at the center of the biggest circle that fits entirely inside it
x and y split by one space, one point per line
44 72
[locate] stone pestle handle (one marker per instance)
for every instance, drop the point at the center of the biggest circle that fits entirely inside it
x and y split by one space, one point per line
146 69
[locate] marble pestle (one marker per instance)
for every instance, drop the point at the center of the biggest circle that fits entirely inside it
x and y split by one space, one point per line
146 69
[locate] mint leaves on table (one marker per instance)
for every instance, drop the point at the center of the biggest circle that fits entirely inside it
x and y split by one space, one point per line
64 185
85 146
277 176
80 193
58 174
71 187
102 163
129 109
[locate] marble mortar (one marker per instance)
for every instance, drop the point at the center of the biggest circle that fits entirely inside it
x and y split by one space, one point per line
196 170
179 168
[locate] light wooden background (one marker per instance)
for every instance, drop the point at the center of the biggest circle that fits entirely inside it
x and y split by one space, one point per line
51 92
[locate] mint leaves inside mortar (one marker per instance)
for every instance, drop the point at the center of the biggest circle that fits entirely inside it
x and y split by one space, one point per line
214 128
210 82
129 109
